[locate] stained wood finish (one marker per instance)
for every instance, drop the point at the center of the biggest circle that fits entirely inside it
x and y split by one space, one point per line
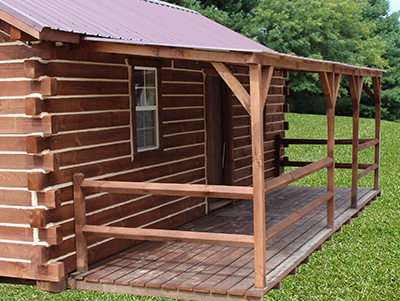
286 142
234 84
368 144
228 272
337 165
356 86
257 109
330 85
266 59
170 235
170 189
80 222
377 86
288 178
295 217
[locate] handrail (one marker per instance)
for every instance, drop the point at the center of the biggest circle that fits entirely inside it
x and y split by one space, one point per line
371 168
368 144
295 217
293 176
337 165
234 240
170 189
287 141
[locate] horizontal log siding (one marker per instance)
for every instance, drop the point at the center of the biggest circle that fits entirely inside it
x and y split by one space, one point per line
21 244
94 138
274 124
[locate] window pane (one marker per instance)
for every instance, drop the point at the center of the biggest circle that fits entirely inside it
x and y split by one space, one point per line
139 78
139 120
140 97
149 119
150 78
150 137
140 138
150 97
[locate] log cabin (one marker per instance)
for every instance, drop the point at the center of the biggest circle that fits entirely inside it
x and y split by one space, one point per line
142 151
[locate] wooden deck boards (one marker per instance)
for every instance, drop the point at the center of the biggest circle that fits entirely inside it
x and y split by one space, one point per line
204 272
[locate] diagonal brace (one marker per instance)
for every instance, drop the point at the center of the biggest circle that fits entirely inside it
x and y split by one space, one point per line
234 84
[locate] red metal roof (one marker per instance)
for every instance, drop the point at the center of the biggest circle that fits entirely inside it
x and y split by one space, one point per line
145 22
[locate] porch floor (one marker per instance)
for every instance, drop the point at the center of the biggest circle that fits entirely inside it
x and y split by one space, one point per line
204 272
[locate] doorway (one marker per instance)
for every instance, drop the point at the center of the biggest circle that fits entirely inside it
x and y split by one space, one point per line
219 136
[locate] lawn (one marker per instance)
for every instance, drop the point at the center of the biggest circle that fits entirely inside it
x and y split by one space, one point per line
362 263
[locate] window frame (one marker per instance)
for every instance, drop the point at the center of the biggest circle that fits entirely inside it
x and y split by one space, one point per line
152 108
140 64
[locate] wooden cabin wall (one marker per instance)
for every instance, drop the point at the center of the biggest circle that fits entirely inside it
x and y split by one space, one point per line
92 107
274 125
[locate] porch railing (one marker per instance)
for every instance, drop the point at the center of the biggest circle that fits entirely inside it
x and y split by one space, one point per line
355 165
83 230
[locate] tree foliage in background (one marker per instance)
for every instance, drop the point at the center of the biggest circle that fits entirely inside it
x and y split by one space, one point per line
388 30
356 32
234 14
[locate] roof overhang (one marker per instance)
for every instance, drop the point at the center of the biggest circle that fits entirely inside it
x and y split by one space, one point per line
36 30
277 60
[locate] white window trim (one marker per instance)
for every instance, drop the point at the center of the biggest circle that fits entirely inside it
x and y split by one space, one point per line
147 108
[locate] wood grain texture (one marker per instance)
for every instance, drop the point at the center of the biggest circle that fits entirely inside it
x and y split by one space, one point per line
80 222
24 125
257 105
52 272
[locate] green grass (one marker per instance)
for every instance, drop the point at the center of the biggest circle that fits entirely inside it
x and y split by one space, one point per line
362 263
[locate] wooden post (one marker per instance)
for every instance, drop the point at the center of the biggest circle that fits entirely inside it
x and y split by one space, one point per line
330 85
356 85
257 134
80 222
377 85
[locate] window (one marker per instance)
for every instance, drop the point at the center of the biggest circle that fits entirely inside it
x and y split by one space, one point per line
146 96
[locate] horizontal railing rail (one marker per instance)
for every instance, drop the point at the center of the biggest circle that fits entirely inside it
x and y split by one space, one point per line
368 170
368 144
235 240
293 176
288 141
298 215
169 189
337 165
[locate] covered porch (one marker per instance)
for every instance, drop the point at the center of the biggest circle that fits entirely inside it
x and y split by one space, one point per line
275 231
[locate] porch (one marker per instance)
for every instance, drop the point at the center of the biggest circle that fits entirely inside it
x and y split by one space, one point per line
205 271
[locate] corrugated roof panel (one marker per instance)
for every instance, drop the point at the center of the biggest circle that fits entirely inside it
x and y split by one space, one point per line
142 21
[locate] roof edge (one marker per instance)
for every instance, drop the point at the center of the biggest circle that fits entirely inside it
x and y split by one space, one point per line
19 24
21 16
159 2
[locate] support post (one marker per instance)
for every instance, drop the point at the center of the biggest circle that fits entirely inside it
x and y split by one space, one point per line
80 222
377 86
356 86
257 134
330 85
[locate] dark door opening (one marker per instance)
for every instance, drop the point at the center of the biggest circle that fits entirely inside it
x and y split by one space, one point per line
219 146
